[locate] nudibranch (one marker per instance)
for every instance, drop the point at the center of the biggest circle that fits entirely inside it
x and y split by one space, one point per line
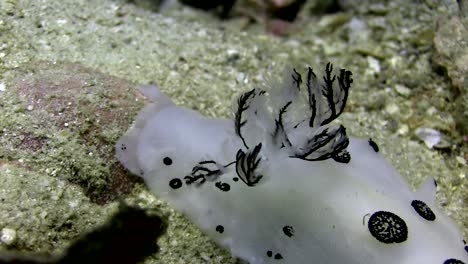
281 183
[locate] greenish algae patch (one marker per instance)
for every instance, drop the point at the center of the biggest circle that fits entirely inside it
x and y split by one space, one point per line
45 212
91 55
65 115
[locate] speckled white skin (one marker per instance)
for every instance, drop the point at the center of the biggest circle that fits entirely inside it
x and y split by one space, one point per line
327 203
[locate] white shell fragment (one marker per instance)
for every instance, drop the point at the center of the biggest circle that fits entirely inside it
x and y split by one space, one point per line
429 136
7 236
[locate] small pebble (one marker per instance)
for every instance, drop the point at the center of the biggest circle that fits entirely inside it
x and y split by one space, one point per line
402 90
8 236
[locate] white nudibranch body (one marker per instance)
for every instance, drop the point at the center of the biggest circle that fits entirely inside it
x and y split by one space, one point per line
281 184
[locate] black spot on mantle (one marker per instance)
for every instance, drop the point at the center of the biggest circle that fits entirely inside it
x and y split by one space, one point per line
423 210
288 231
220 229
175 183
387 227
374 145
167 161
453 261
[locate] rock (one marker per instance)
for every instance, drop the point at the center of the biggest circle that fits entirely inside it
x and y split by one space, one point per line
451 55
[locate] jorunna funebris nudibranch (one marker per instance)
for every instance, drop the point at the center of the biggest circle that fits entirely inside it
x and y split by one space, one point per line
282 184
